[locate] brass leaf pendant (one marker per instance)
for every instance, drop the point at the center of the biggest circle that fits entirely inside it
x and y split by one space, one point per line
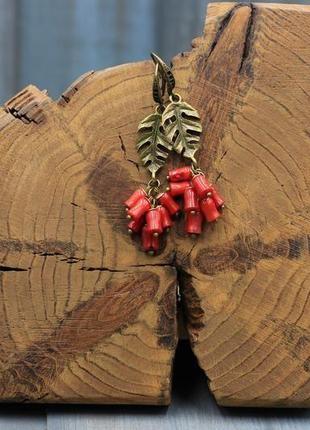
153 145
182 127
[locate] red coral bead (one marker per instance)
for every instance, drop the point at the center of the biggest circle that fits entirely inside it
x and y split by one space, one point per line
166 220
218 199
201 185
193 223
139 209
191 202
180 174
134 226
209 210
146 239
155 243
178 188
133 199
150 243
167 201
153 221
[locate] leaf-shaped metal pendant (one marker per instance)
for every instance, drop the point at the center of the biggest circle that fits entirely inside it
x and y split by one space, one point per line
182 126
153 145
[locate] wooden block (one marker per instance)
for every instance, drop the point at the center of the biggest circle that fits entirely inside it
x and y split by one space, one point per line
79 321
85 315
246 282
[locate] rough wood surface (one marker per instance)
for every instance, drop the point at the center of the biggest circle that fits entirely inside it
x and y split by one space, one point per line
246 283
79 321
87 317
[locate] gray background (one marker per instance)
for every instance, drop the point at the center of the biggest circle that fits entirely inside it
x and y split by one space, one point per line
50 43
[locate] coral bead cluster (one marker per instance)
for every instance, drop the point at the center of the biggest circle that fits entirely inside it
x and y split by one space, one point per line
188 192
174 126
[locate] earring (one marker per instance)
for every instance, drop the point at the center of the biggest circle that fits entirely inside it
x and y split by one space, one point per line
151 213
173 126
182 126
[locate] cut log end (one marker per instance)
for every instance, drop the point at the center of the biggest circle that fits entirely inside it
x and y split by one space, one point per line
85 316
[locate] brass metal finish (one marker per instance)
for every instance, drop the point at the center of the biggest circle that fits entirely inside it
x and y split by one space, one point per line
175 125
165 71
153 145
182 126
159 87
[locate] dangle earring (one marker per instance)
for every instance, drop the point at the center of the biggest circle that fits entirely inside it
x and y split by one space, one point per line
151 213
173 126
182 127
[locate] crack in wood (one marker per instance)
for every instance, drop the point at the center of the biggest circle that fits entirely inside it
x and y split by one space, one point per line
67 95
248 40
12 269
124 151
222 26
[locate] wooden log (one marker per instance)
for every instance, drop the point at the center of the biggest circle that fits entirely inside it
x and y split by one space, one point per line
85 315
246 282
80 320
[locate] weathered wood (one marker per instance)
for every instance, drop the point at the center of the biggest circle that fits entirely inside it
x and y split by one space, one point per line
87 317
78 323
246 282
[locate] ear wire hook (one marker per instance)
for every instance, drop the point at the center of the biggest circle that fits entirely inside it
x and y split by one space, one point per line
165 71
158 87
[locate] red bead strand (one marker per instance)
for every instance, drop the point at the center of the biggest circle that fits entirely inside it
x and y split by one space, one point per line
218 199
191 202
200 201
201 185
209 210
166 220
146 239
167 201
193 223
178 188
153 221
133 199
180 174
135 226
141 207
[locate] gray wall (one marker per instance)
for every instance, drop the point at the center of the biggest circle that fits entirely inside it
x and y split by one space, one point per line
51 42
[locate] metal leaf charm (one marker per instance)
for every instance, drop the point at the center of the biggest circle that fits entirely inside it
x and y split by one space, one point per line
182 126
153 145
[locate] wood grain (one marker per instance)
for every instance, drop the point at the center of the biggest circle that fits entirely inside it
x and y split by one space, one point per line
86 316
72 328
192 406
80 320
246 282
